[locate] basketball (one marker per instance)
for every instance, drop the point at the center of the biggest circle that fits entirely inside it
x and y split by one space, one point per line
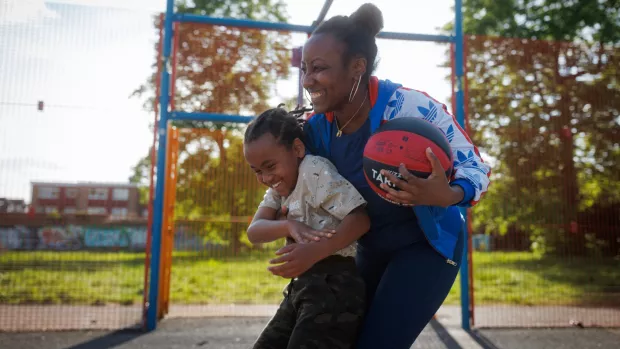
404 140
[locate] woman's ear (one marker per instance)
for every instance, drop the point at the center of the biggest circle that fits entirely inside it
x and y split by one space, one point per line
299 148
359 66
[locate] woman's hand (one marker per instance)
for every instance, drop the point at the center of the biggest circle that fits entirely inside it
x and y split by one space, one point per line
302 233
295 259
432 191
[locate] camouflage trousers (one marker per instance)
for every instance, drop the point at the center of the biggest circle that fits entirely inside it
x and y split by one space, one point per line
322 309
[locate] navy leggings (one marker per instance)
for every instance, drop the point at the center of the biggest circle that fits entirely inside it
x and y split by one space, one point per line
405 289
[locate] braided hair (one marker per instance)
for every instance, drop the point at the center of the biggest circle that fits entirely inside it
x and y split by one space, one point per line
284 126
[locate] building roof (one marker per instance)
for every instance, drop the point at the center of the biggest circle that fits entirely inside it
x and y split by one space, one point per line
86 184
12 201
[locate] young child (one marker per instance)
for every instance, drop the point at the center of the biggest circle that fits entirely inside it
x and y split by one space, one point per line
324 303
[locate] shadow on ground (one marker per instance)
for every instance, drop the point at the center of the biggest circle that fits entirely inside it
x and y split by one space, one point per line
202 333
240 333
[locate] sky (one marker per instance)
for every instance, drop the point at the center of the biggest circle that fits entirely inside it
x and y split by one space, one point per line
84 58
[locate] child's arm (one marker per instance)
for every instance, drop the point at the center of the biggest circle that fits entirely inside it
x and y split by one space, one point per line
295 259
336 195
265 227
352 227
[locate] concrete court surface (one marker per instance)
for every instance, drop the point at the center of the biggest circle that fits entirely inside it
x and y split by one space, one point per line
202 333
240 332
226 332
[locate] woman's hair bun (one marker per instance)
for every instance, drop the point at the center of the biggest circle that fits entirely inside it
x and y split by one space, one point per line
368 17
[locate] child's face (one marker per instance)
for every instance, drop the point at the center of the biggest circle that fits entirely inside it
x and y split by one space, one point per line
275 165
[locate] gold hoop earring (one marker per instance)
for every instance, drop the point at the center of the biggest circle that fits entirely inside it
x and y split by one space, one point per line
308 97
354 90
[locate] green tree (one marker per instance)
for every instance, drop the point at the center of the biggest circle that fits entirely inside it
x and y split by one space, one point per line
216 190
544 102
226 69
140 175
220 70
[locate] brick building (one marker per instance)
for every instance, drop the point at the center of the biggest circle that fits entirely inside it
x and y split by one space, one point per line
12 205
118 200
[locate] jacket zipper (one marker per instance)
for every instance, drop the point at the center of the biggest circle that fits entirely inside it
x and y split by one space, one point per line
448 260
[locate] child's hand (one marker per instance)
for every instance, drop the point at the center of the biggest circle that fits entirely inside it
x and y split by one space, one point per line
295 259
303 234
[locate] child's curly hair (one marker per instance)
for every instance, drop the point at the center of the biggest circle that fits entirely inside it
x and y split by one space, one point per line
283 125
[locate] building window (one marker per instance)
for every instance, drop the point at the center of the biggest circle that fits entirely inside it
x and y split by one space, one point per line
98 194
71 193
119 212
97 210
48 192
11 207
70 210
51 209
120 194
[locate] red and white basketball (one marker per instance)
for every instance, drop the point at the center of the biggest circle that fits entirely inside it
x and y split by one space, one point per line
404 140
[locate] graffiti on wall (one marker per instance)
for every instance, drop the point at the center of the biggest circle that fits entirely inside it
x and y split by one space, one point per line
78 237
59 238
71 237
13 238
115 237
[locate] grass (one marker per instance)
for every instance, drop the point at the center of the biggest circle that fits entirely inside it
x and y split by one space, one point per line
525 279
98 278
241 280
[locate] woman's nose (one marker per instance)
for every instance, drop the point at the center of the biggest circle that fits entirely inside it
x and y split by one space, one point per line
307 80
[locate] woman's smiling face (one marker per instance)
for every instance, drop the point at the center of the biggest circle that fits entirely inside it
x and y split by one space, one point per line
327 77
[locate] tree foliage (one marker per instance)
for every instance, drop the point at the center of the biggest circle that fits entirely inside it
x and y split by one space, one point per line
216 190
544 103
223 70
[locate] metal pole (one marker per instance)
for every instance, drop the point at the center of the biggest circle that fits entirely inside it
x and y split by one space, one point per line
247 23
323 13
158 205
460 118
213 117
470 253
149 225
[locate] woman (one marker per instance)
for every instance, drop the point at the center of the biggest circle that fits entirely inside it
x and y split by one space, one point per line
409 259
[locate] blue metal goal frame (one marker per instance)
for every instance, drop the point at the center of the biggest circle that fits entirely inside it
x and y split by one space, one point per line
167 115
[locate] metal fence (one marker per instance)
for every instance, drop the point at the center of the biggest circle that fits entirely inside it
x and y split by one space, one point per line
546 236
544 240
214 270
211 267
72 227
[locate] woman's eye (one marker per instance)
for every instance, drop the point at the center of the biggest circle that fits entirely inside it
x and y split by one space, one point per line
270 166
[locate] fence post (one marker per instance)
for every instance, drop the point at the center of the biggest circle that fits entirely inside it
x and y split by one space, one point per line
460 117
167 221
158 205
